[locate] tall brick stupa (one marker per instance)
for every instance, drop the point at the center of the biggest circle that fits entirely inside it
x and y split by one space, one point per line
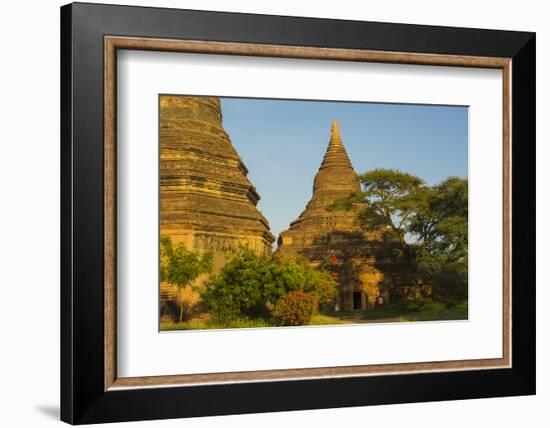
364 263
207 201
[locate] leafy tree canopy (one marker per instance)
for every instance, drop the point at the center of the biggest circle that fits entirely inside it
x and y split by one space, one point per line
443 225
389 198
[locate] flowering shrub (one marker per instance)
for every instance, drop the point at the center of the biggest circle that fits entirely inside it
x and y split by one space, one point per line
295 308
250 286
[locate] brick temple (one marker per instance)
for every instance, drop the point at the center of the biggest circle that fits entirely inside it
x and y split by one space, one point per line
364 263
206 200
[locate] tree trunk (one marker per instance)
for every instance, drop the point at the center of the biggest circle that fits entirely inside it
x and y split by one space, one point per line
404 248
181 312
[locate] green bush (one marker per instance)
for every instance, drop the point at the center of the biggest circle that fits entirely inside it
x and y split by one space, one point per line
222 309
250 286
240 287
451 282
430 305
463 305
295 308
298 275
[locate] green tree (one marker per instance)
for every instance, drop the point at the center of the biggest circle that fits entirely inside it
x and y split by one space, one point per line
180 266
390 199
444 230
430 223
443 225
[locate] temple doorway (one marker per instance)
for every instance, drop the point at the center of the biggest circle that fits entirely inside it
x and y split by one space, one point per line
359 301
356 300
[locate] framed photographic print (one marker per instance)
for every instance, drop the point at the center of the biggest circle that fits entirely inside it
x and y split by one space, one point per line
265 213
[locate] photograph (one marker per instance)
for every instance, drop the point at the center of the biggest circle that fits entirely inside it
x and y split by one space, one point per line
289 212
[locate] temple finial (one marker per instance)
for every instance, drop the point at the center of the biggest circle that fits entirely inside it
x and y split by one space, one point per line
335 131
336 154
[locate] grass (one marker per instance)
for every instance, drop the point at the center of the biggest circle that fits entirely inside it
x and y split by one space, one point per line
320 319
456 311
205 323
423 310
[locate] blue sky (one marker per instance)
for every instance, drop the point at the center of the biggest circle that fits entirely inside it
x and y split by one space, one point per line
283 142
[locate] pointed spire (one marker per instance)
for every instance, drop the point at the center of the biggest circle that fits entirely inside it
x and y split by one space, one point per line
336 175
335 131
334 180
336 155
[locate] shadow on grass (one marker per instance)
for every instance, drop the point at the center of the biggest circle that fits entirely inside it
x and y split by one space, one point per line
423 310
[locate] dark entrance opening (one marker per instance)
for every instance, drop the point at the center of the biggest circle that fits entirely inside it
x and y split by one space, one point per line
356 300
